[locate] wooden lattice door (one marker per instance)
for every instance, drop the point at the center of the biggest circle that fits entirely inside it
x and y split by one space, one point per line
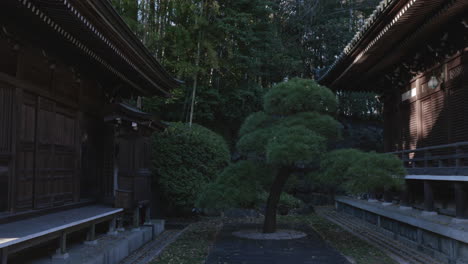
46 160
56 151
26 152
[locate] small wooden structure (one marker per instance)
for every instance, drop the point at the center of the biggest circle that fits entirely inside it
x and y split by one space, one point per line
61 63
132 148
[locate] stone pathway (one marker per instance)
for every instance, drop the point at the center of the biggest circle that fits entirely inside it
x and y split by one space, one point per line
229 249
370 233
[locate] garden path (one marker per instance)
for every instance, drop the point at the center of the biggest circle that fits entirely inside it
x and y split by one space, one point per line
311 249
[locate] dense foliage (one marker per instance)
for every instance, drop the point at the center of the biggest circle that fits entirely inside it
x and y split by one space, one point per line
357 172
293 131
185 160
232 52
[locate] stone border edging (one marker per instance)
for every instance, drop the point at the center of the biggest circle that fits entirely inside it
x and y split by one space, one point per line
444 230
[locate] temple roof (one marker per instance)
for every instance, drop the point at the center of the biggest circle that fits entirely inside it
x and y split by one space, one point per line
98 32
394 29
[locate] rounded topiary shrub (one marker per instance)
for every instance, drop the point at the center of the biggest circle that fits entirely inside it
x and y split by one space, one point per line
186 159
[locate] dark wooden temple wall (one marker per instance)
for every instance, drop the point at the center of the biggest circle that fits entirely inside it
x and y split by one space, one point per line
434 116
6 117
51 129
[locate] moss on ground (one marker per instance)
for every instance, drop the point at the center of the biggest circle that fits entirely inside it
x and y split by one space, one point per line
194 245
346 243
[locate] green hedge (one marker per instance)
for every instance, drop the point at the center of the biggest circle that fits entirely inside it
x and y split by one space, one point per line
186 159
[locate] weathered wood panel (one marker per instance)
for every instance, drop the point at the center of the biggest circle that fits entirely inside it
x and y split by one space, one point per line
91 156
26 153
6 118
409 129
8 55
434 119
64 83
34 67
43 184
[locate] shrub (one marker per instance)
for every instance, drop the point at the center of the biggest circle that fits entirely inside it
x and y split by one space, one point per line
359 172
286 200
238 186
375 171
186 159
334 166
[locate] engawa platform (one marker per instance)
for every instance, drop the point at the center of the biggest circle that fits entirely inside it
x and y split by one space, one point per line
21 234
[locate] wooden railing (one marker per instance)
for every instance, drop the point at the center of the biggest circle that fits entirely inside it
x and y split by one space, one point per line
448 159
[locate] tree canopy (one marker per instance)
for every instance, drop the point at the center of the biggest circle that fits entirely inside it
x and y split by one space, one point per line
293 130
237 50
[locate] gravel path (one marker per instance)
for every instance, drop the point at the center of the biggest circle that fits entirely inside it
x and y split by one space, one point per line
152 249
311 249
401 253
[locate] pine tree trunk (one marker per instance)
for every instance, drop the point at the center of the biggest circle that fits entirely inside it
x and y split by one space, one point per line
269 226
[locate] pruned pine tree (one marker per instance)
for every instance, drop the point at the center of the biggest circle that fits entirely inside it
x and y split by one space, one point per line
291 132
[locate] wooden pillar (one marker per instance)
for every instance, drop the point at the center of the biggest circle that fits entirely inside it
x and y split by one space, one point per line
3 255
148 214
404 197
428 197
136 217
112 226
61 252
91 235
63 243
460 200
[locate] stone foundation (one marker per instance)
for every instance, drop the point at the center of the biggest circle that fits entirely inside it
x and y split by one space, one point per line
437 236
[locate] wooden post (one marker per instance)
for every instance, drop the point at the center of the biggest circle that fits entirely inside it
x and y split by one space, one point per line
428 197
458 162
136 217
91 235
112 226
61 252
120 226
404 198
4 255
148 214
63 243
460 200
426 156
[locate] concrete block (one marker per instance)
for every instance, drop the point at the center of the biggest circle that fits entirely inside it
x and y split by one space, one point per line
159 226
460 221
430 240
402 207
60 256
445 245
91 242
428 213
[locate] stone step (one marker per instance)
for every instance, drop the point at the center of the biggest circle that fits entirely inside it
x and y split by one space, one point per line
396 250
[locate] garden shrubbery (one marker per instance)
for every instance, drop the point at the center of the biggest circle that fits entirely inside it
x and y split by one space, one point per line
355 172
186 159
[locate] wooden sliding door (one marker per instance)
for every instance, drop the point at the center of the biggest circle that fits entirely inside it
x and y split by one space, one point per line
47 156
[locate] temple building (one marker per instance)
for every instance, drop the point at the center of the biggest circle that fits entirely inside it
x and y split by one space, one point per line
414 55
71 149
